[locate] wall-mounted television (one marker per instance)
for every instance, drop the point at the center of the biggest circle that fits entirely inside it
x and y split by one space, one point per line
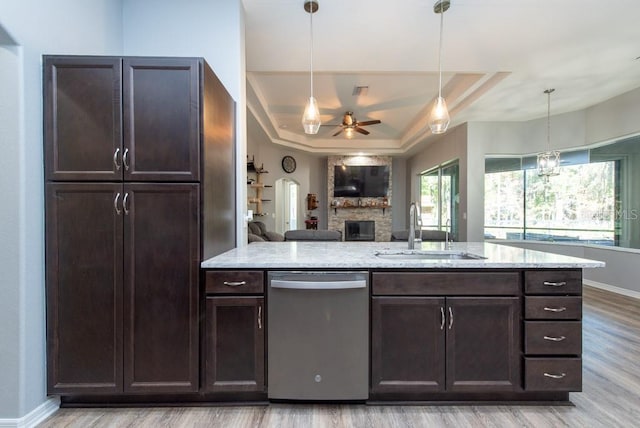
361 181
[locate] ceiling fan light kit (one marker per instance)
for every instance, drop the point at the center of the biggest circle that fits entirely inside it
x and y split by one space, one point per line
350 125
439 118
311 116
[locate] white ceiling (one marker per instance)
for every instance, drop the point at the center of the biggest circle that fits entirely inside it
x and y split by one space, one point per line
498 58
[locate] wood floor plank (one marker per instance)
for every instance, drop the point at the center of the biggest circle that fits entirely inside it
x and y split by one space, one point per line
610 396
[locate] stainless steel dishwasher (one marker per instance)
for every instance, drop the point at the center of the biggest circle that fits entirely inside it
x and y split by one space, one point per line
318 335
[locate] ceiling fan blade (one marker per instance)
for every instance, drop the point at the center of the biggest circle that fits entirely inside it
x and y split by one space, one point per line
338 133
362 131
369 122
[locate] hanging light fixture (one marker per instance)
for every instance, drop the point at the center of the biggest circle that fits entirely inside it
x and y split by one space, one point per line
548 162
311 116
439 118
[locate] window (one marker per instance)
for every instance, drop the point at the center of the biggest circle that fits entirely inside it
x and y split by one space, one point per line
439 198
578 205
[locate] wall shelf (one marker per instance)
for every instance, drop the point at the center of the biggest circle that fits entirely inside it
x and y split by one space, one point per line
356 207
257 184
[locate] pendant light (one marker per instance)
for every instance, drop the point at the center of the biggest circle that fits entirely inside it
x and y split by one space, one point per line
548 162
439 118
311 116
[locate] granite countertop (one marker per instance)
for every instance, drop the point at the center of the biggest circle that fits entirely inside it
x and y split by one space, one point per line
351 255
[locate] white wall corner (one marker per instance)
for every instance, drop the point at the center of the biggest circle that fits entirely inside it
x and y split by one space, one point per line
34 417
612 288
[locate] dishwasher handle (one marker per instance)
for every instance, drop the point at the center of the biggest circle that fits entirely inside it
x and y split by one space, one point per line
318 285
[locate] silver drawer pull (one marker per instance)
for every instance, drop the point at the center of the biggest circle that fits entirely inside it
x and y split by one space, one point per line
555 376
115 203
441 318
560 309
555 284
125 161
234 283
554 339
125 205
115 159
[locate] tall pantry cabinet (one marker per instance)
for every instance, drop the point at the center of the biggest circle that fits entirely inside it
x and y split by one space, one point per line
139 167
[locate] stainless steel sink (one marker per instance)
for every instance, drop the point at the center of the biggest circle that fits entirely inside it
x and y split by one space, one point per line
427 255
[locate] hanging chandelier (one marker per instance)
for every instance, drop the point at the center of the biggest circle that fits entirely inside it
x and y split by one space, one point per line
548 162
311 117
439 117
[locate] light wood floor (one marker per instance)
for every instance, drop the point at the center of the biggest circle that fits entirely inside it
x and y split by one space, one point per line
610 396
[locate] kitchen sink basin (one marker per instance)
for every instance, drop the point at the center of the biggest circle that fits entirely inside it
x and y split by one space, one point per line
427 255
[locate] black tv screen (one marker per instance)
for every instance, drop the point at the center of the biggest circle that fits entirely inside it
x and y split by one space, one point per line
360 181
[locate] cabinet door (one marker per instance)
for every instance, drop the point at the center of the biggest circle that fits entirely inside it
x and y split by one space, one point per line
161 261
82 118
483 344
235 344
161 111
84 288
407 344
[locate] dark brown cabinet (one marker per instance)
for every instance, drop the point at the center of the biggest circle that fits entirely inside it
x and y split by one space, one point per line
553 330
427 343
109 118
235 344
161 256
84 288
235 332
407 345
131 209
483 344
122 275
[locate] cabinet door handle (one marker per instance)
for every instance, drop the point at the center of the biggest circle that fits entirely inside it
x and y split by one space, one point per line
125 162
560 309
441 318
260 317
555 376
234 283
115 203
450 318
554 339
555 284
115 159
125 204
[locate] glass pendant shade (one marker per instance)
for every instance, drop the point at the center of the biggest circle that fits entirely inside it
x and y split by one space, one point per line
549 163
311 117
348 132
439 118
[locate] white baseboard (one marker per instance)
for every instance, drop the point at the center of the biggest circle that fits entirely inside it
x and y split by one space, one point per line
612 288
34 417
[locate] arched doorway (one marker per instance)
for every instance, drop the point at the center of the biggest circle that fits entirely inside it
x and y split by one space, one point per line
286 204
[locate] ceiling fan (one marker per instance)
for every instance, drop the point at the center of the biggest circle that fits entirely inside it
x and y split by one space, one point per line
350 124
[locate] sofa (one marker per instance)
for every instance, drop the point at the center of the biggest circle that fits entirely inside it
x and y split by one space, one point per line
258 233
427 235
312 235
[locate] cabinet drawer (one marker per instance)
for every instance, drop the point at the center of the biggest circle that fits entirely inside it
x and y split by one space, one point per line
446 283
553 338
553 374
235 282
553 282
553 307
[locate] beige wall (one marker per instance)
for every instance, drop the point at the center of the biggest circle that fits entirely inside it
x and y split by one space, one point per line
450 146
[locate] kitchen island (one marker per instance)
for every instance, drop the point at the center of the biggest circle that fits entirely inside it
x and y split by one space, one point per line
461 323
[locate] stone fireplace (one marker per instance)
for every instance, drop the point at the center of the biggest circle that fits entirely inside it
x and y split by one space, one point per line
373 211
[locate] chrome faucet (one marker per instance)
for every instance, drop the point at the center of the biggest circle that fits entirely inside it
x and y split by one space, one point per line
447 234
414 221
